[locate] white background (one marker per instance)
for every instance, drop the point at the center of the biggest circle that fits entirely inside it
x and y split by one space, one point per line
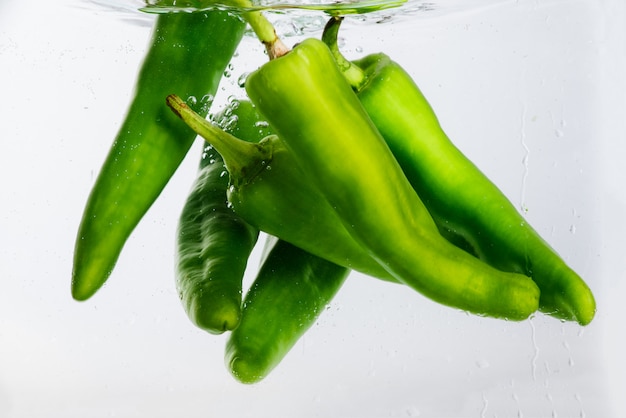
532 91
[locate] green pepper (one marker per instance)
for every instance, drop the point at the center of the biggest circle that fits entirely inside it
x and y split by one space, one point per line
214 243
270 191
291 290
464 203
311 106
187 56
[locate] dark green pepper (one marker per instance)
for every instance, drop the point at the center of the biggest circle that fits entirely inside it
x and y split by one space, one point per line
214 243
289 293
464 203
187 56
306 99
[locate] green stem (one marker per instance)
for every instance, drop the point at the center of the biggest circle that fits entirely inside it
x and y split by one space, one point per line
266 33
243 160
263 29
355 75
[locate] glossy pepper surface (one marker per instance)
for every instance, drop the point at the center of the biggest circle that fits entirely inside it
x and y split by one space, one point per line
212 249
464 203
309 103
270 191
290 292
187 56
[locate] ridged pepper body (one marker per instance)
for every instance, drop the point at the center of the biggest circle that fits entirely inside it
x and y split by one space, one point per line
213 245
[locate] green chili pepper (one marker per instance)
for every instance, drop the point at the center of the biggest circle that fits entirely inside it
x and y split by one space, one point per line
308 102
187 56
289 293
465 204
212 251
270 191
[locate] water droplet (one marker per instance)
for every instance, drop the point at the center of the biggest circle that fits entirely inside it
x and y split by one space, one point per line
192 101
572 229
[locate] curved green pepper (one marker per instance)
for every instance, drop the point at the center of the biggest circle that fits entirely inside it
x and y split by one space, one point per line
307 100
270 191
464 203
212 249
187 56
291 290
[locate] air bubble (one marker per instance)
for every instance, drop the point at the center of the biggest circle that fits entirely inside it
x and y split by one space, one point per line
229 123
241 81
228 71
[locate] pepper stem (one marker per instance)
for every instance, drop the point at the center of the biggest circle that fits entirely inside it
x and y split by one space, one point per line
243 159
355 75
263 29
266 33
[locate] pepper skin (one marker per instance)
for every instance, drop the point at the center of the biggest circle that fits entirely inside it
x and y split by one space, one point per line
306 99
212 249
464 203
289 293
270 191
187 56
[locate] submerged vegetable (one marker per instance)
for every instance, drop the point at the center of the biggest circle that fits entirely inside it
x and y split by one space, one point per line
187 56
291 290
212 249
270 191
213 242
464 203
307 100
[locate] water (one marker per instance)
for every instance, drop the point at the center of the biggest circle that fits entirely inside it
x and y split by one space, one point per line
501 75
369 11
